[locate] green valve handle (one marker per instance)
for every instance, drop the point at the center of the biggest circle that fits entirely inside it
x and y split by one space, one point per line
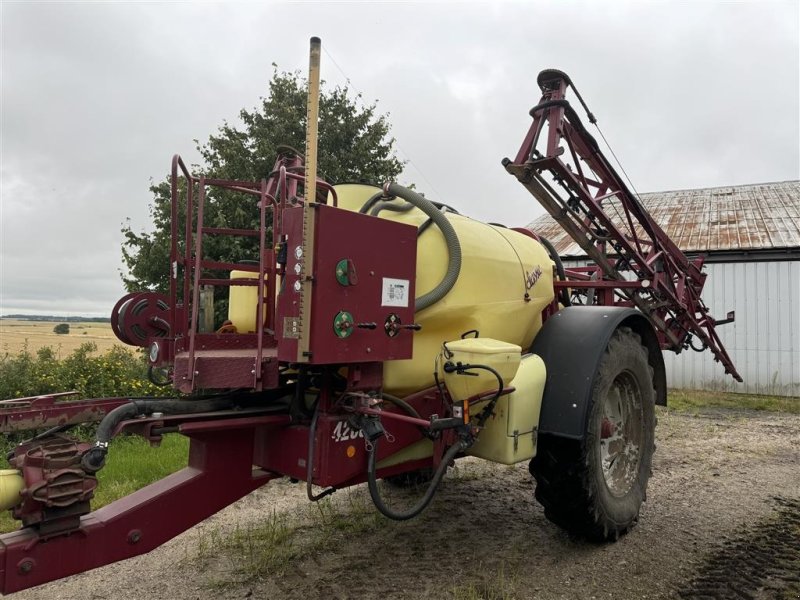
343 324
346 272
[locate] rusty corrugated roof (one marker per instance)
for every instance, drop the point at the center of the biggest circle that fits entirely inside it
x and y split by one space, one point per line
742 217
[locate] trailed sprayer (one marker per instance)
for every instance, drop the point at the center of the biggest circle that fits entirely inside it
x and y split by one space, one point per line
378 335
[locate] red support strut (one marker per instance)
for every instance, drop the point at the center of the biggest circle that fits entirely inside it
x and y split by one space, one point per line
219 472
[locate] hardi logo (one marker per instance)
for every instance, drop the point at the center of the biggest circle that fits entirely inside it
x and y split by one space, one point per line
532 277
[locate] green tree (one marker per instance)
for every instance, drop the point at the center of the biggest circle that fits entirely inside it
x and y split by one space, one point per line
354 145
61 328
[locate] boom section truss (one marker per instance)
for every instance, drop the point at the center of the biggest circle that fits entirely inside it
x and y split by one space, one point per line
635 262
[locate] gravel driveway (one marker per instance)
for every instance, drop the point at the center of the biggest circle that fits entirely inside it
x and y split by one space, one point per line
722 520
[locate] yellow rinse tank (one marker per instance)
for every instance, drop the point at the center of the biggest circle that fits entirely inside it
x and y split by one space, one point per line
243 303
505 282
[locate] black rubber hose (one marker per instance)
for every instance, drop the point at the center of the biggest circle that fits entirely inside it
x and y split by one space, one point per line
152 378
410 411
94 459
551 250
374 493
450 237
312 438
489 408
400 403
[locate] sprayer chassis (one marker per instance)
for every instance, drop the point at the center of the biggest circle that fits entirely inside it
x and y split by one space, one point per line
271 430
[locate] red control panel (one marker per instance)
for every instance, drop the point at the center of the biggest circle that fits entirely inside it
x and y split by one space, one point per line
348 293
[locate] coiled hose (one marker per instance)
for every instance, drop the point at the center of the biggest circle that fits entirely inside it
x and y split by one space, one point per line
95 458
444 225
372 482
373 200
392 206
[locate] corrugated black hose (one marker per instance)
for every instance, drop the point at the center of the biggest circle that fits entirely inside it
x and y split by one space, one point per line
95 458
372 482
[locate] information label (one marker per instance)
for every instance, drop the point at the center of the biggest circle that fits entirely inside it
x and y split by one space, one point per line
395 292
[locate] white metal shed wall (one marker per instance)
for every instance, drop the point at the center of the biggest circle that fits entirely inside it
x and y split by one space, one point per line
763 342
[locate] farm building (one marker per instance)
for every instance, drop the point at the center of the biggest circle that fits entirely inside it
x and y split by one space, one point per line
750 235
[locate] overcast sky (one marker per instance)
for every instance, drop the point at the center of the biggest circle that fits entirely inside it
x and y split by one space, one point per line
96 97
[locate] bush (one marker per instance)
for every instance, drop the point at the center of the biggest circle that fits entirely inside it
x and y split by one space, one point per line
118 372
61 328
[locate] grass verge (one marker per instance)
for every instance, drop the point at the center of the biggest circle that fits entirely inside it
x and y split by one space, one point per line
695 400
271 546
132 464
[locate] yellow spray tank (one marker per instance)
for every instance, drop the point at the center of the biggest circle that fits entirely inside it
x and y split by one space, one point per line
505 281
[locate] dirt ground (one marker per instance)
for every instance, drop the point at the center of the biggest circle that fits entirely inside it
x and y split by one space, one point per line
722 520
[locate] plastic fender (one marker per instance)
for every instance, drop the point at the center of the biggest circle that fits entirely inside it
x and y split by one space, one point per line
571 343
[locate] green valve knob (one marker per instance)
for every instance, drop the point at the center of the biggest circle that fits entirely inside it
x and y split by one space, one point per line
346 272
341 272
343 324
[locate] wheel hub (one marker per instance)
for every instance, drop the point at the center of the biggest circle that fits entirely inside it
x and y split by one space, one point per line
621 434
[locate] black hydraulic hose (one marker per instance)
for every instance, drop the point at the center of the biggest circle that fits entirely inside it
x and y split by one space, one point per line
489 408
41 436
312 438
451 239
152 378
551 250
94 459
400 403
410 411
374 493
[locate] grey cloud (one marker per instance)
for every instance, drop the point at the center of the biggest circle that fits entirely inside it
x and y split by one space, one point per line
97 96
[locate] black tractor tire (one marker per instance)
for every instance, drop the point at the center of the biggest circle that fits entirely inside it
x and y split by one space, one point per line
584 487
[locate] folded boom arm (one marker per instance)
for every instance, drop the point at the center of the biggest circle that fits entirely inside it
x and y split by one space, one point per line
561 164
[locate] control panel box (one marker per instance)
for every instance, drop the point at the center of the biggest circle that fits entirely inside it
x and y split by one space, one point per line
348 293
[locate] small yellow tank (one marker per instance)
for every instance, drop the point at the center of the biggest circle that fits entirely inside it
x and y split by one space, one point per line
243 302
11 485
510 433
502 357
506 280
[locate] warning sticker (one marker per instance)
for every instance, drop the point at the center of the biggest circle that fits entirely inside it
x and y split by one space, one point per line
395 292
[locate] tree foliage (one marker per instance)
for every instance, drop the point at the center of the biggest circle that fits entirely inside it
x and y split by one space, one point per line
354 145
61 328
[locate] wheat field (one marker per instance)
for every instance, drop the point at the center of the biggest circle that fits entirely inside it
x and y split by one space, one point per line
14 335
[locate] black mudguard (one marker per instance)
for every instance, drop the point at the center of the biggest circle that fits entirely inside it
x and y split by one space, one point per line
571 343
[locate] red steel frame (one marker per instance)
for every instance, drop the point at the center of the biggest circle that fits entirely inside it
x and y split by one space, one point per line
243 360
561 164
219 472
233 452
